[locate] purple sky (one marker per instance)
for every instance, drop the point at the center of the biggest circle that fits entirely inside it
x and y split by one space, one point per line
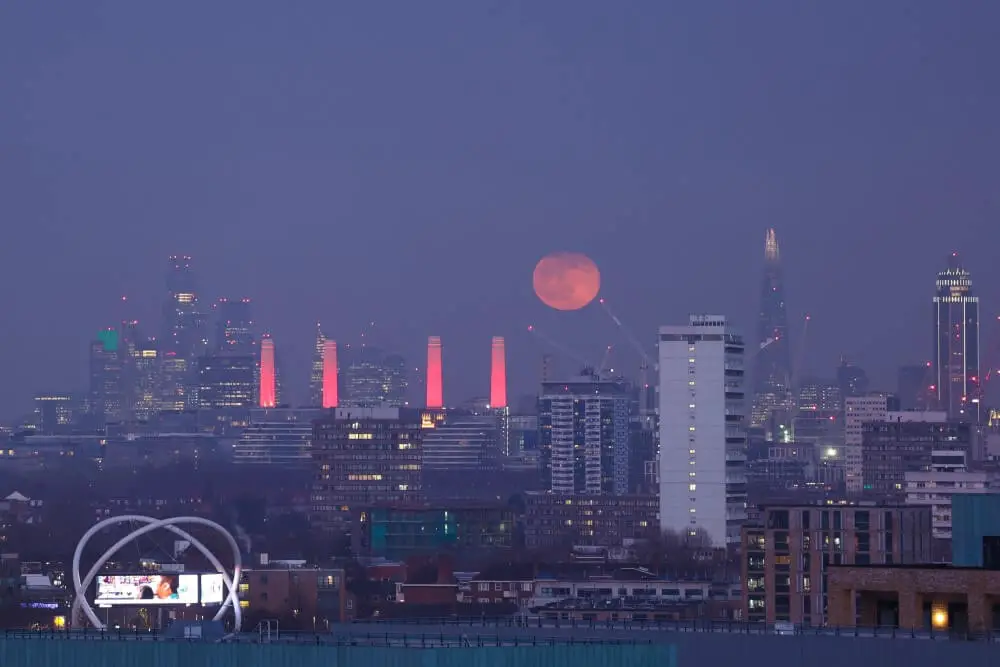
409 162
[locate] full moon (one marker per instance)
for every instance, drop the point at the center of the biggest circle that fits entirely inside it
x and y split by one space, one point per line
566 280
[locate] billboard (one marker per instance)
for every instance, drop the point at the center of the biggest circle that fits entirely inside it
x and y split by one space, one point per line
211 589
147 589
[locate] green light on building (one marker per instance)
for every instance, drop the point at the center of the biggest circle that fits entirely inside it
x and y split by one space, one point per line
109 339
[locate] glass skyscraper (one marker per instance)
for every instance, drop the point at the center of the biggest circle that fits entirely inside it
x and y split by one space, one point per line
956 386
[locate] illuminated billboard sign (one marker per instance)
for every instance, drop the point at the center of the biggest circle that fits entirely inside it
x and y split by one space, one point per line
146 589
211 589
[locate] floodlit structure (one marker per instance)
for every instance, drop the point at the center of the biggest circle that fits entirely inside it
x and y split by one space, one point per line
435 394
498 374
81 584
268 381
330 398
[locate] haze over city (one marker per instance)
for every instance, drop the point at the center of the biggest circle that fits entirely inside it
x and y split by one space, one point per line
339 167
647 333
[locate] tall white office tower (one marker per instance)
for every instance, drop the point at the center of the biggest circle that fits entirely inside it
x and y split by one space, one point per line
702 430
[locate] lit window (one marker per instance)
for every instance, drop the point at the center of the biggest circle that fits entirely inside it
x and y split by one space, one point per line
692 510
691 474
690 428
691 462
691 405
692 487
690 451
691 360
690 383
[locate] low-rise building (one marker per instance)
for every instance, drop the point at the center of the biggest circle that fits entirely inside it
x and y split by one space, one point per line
556 520
940 598
786 557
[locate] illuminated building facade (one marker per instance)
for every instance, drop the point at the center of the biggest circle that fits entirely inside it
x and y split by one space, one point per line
226 381
175 392
435 387
330 377
772 364
144 369
583 436
788 556
316 370
462 442
268 392
703 442
371 378
818 425
55 413
908 442
363 457
185 336
956 344
107 396
234 326
498 393
277 436
858 411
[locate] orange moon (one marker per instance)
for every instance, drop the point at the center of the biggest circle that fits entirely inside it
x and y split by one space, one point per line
566 280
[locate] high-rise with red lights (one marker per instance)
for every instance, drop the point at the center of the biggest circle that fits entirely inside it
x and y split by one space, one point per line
329 373
498 374
435 394
956 343
268 383
317 370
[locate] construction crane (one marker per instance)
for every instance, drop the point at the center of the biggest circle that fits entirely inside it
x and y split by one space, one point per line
647 361
557 346
799 358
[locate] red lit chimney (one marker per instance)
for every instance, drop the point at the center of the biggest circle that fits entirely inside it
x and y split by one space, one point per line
329 373
267 381
498 374
434 392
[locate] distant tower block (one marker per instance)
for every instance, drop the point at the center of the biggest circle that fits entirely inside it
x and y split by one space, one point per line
498 374
435 398
268 385
329 373
546 367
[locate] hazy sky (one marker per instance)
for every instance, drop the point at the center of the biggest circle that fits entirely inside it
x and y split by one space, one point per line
409 162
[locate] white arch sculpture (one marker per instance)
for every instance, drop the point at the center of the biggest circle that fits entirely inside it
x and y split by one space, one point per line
80 586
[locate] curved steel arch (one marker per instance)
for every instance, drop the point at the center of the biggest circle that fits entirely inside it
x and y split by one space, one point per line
80 585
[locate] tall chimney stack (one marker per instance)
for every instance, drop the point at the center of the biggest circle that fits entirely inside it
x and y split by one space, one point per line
329 373
498 374
435 399
268 387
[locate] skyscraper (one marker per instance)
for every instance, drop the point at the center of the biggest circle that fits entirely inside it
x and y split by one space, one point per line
368 377
956 343
184 336
772 365
316 370
107 399
234 327
702 430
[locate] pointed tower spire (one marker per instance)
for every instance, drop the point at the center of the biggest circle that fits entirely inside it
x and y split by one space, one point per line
771 246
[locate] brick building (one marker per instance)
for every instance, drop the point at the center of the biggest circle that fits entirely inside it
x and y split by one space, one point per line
942 598
786 558
310 598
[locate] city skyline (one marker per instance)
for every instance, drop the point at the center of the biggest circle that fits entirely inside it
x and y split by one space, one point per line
661 150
